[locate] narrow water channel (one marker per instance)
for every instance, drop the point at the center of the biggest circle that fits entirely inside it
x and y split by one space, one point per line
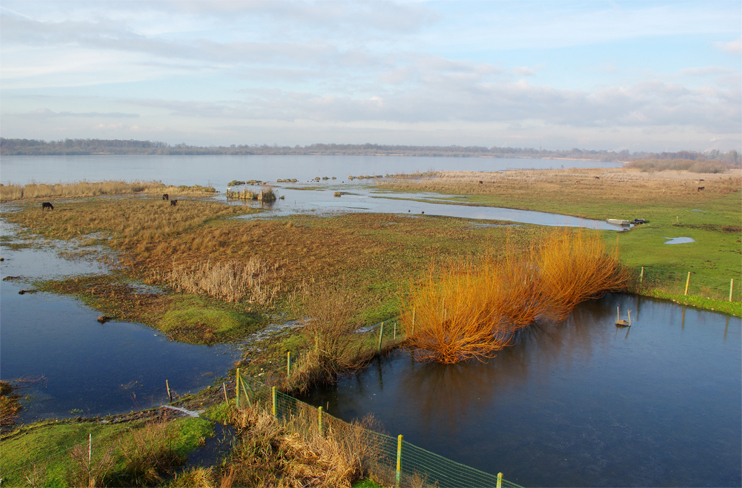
581 403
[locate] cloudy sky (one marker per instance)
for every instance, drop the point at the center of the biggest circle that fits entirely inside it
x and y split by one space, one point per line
637 75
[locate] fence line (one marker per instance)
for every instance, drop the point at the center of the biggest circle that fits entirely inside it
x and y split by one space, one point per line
394 459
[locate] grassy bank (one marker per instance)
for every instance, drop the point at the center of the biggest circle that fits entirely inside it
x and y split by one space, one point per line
139 453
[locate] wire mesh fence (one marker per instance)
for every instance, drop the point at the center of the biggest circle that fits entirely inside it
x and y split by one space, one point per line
392 460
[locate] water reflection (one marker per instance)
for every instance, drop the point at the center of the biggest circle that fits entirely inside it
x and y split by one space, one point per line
576 403
87 368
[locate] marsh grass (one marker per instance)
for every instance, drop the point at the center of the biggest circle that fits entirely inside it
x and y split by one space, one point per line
288 453
679 165
79 189
137 453
470 309
232 281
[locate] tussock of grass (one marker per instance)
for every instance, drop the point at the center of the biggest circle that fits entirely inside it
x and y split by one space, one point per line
470 310
194 320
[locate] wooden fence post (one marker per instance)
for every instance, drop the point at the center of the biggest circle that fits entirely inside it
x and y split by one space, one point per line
381 336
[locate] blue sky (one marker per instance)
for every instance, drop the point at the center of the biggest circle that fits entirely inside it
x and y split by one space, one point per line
643 76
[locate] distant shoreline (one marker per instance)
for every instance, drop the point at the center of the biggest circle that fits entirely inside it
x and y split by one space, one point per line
98 147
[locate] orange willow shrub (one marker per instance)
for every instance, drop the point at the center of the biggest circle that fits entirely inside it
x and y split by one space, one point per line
470 310
575 267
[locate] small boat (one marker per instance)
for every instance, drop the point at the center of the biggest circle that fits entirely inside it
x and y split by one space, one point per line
618 222
620 322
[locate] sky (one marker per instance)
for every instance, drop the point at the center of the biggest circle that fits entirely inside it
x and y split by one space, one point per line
614 75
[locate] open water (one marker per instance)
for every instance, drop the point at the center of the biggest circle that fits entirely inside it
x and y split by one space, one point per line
578 403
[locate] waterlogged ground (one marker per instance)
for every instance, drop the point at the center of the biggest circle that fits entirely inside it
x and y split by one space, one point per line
582 403
69 364
367 199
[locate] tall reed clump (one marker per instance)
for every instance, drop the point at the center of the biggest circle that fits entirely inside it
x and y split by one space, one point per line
330 334
471 309
231 281
286 453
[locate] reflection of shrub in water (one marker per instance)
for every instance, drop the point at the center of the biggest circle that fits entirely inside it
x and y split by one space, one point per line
470 310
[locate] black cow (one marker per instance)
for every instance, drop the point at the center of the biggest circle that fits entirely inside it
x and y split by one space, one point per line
165 196
701 188
46 205
173 203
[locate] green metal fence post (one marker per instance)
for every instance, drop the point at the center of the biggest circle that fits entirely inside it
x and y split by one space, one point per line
237 386
399 459
381 335
687 282
242 383
731 287
499 480
319 413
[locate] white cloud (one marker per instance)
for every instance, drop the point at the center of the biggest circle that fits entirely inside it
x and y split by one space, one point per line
706 70
733 47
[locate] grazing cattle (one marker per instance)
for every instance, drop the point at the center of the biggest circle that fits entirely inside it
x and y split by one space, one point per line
165 196
173 203
481 182
46 205
596 177
701 188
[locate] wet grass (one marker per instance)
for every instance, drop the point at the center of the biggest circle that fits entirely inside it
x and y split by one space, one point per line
140 453
669 201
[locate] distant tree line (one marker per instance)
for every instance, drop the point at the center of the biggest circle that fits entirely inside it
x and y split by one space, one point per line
10 147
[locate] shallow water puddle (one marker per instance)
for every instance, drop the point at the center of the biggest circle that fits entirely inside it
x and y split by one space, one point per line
679 240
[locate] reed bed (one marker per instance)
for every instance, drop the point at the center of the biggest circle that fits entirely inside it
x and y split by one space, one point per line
470 309
250 280
287 453
79 189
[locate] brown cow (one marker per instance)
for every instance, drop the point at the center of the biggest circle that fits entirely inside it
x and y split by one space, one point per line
173 203
165 196
46 205
701 188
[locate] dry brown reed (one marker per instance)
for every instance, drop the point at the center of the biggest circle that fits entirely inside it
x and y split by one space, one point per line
232 281
292 452
84 471
148 454
470 309
330 333
78 189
